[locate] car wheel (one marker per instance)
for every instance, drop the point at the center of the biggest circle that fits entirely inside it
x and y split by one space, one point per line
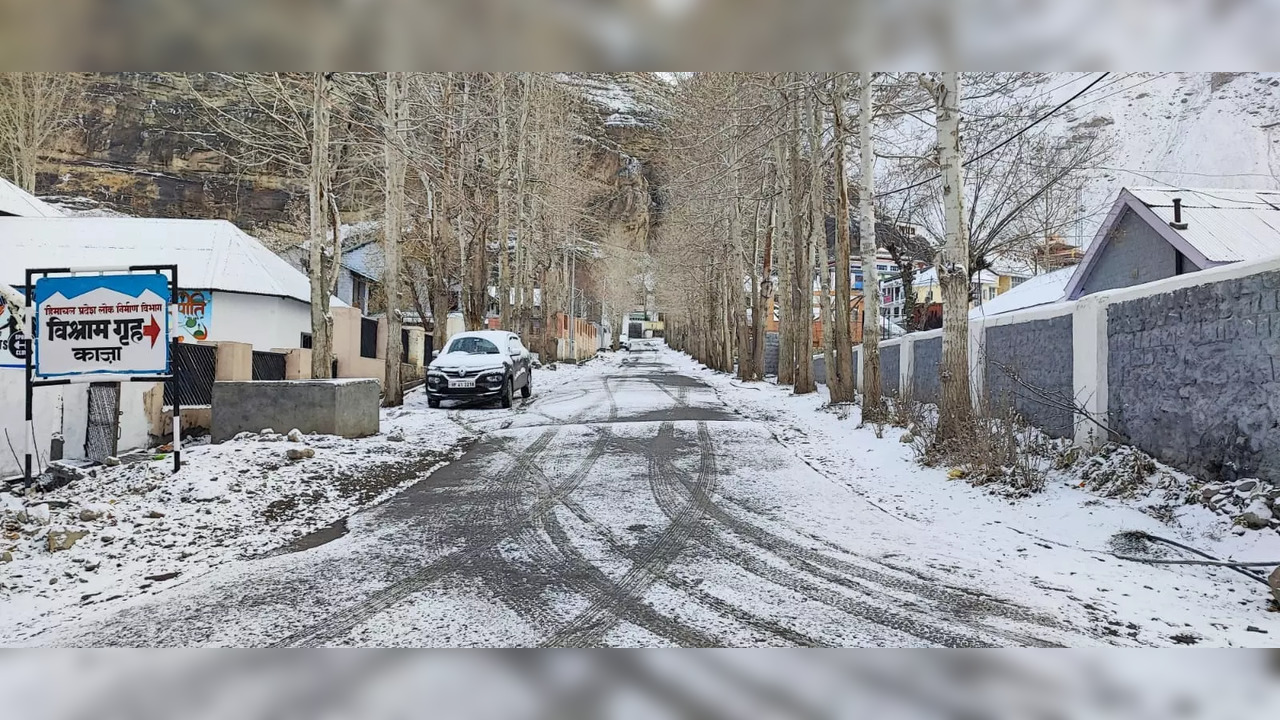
433 402
527 390
506 393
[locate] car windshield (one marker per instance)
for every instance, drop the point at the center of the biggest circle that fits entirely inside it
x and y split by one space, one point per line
472 346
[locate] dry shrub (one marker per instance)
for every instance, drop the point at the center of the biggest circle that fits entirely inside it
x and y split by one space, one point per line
999 449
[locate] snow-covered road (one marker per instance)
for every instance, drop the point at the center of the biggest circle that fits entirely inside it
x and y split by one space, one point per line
649 504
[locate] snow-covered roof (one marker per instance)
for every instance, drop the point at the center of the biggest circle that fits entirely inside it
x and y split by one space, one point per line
365 259
210 254
929 276
1224 225
16 201
1039 290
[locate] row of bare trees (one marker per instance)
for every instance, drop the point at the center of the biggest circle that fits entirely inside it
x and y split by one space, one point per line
758 168
483 206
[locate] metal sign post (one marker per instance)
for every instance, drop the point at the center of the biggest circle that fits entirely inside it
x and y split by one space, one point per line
101 324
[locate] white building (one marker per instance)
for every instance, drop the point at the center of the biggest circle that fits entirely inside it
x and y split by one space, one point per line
249 293
232 288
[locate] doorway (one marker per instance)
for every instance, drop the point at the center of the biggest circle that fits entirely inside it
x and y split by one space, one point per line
104 421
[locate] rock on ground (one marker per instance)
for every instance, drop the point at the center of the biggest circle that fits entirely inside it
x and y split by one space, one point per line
62 539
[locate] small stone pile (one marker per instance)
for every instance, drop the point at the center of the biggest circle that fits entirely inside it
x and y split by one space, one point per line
1251 503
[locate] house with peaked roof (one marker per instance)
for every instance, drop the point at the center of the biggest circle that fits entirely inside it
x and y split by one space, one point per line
241 291
1155 233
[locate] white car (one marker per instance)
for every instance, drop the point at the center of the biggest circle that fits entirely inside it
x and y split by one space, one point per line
481 365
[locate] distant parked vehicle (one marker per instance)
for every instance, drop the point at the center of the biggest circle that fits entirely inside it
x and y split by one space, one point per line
481 365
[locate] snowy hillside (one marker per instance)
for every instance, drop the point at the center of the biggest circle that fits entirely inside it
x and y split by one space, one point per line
1202 130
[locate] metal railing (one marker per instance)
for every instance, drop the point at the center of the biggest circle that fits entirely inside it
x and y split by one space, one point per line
268 365
197 366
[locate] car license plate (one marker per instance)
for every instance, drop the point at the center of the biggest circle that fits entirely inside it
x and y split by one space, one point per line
462 383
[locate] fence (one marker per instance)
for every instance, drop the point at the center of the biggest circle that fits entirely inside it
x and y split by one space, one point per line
197 365
268 365
1186 369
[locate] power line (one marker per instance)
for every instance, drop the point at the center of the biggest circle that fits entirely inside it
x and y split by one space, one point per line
1001 144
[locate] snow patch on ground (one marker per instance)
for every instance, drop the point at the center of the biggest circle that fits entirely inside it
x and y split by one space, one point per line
242 498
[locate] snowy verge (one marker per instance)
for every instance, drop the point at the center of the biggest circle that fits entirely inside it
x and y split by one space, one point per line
1055 548
139 528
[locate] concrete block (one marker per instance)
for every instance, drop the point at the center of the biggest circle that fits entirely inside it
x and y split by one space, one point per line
235 361
297 363
344 407
417 346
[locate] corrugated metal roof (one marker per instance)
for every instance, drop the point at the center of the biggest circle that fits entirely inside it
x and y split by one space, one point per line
16 201
1039 290
212 254
1224 225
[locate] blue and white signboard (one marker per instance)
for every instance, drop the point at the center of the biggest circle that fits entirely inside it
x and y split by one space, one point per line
101 325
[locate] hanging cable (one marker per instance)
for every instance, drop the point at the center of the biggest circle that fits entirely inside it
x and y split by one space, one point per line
1004 142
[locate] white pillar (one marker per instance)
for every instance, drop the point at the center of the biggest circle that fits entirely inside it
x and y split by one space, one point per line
1089 369
977 362
906 365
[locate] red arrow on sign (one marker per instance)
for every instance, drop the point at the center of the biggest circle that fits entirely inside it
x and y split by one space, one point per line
152 331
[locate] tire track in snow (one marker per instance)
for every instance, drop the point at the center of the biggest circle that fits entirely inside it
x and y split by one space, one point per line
554 554
344 621
813 564
591 625
632 608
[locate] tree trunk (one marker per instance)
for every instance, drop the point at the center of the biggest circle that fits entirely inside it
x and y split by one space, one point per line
840 378
786 274
955 411
802 265
318 207
818 229
764 297
393 391
871 407
504 199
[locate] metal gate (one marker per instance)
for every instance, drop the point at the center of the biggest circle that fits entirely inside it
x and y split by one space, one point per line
197 367
268 365
104 421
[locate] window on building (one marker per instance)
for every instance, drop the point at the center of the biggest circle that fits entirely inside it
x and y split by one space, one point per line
305 342
360 293
1179 263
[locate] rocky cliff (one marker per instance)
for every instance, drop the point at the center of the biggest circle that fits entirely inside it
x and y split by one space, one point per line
142 147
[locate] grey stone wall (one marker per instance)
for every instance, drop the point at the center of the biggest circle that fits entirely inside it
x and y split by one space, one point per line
1194 376
336 407
1030 366
771 353
890 365
927 356
1135 254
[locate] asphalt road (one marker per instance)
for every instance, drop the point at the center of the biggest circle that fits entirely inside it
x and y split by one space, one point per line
635 508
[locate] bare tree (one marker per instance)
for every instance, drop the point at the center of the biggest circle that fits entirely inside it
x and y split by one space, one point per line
395 111
840 380
286 124
955 407
34 108
871 410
